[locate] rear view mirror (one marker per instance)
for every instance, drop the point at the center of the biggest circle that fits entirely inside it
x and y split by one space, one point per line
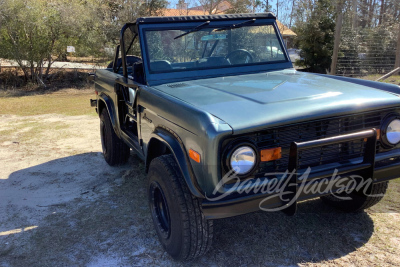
91 76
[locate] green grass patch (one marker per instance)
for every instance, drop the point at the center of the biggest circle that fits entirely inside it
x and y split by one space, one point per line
394 79
66 102
396 181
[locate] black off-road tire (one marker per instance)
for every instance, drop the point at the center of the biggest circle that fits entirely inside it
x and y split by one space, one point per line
115 151
359 201
177 216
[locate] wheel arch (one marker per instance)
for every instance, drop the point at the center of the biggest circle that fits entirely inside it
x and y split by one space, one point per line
164 141
104 101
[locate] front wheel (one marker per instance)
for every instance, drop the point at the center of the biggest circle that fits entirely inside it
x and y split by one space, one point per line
358 201
177 216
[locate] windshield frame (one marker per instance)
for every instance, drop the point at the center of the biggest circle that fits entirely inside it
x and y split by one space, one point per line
158 77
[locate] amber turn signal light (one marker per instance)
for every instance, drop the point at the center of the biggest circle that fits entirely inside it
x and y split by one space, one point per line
194 155
271 154
378 135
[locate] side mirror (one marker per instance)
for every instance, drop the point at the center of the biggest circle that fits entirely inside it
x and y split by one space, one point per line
91 76
132 95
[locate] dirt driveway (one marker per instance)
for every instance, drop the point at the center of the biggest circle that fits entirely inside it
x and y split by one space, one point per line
61 205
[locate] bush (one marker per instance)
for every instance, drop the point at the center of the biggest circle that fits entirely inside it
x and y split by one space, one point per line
315 38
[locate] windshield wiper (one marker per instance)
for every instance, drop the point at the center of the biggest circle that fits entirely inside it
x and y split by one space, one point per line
195 29
234 26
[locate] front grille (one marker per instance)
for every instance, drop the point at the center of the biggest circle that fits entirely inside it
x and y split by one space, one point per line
314 130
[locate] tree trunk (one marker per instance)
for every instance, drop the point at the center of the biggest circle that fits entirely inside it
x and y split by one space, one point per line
371 12
338 30
49 62
382 12
355 15
364 13
24 70
32 71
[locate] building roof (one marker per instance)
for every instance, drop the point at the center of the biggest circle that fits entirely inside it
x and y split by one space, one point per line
285 31
170 12
219 9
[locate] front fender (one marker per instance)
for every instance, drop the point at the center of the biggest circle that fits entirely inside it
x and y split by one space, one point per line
175 145
105 100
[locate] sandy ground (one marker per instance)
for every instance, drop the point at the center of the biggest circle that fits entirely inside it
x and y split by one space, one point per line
62 205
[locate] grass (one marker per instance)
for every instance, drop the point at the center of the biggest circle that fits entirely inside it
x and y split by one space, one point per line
66 102
29 131
394 79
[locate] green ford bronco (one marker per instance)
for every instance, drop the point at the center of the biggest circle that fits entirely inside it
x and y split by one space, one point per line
226 125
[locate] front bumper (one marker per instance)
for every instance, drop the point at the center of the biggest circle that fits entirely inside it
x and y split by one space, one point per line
327 178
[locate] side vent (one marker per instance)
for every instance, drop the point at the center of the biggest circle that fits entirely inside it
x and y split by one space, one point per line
176 85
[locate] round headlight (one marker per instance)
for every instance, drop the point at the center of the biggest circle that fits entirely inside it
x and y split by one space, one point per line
243 159
393 132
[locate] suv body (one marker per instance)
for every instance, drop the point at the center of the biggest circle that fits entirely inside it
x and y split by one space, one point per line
210 94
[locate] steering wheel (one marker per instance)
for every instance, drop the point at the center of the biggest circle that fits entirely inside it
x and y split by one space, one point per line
239 56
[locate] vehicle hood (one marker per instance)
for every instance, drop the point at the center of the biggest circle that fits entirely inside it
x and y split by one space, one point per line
257 101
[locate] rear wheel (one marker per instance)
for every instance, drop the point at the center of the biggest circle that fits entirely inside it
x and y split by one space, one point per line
178 220
115 151
358 200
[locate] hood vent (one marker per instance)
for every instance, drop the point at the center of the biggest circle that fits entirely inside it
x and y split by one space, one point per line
176 85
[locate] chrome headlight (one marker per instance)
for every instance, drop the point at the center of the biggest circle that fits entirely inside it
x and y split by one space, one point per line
243 159
393 132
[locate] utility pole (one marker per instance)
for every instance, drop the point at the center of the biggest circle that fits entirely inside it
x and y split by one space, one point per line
291 14
397 64
355 15
277 8
338 30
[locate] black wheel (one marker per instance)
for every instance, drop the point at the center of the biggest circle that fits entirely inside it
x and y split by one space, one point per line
178 220
115 151
358 200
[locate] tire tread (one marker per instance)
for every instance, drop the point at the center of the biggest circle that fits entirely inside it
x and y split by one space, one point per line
197 232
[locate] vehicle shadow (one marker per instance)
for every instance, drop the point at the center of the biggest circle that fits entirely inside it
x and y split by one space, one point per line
316 233
88 213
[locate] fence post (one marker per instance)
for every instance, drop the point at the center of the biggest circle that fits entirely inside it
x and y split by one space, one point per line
338 29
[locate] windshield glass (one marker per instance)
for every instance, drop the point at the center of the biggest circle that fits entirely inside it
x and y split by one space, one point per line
205 48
